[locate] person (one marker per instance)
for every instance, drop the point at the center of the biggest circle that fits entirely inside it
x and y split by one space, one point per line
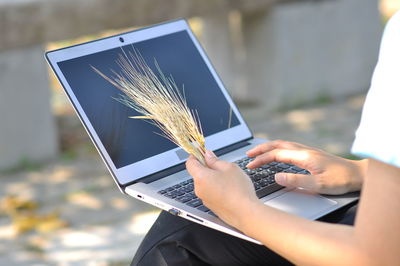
367 234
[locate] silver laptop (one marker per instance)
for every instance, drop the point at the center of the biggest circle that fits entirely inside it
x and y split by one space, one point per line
149 167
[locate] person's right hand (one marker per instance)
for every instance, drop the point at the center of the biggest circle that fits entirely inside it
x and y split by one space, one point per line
330 174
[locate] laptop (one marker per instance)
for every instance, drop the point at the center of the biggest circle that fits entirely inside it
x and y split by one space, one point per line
148 166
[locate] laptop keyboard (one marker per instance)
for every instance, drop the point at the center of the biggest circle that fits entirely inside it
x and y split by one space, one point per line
263 179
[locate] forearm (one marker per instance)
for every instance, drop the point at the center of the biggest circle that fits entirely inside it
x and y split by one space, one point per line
299 240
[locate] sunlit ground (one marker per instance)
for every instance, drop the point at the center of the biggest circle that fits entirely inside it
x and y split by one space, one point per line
389 7
69 211
80 215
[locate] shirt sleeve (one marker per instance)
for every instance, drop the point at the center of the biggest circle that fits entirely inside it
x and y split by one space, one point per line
378 135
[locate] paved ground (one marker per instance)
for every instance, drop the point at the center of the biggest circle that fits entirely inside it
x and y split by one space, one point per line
101 226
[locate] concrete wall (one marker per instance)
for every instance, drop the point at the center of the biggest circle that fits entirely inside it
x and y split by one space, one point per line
27 130
27 22
311 50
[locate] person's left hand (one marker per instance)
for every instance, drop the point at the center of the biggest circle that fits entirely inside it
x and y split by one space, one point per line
223 187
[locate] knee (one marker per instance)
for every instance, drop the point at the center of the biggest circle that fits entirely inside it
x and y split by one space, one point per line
164 242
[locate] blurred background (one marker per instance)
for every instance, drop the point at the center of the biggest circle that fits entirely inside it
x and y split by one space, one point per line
298 70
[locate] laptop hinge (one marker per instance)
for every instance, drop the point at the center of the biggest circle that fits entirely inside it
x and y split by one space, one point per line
181 166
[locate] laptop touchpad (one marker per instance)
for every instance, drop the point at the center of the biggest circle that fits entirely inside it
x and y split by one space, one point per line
302 203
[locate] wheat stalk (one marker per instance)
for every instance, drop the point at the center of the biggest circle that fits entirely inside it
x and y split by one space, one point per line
158 99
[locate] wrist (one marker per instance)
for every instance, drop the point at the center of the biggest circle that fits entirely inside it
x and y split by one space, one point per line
362 168
359 175
246 216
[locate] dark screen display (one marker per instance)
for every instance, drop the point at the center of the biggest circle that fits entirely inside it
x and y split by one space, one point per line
130 140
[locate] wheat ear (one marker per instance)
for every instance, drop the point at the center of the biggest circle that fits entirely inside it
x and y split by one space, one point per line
158 99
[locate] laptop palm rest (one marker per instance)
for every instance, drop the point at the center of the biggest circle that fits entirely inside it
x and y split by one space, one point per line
302 203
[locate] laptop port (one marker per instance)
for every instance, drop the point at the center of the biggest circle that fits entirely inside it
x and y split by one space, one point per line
194 218
174 211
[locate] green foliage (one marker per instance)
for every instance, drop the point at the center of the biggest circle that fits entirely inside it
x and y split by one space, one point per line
69 155
350 156
24 164
321 99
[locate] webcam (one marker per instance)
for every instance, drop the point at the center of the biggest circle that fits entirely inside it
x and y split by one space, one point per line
121 39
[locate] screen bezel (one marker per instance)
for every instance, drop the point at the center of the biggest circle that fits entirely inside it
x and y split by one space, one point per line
154 164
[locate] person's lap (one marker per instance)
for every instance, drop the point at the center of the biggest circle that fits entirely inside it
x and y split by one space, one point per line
176 241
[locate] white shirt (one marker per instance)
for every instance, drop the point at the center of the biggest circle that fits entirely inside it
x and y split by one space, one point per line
378 135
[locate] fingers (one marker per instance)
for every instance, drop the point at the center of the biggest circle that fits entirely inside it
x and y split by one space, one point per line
297 157
205 176
195 168
213 162
269 146
211 159
296 180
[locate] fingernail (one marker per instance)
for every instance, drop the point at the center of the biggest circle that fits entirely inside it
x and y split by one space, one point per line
280 178
249 151
210 154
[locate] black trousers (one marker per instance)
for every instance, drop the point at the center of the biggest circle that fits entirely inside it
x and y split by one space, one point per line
175 241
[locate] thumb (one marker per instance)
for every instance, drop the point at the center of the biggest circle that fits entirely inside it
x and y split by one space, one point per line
212 161
296 180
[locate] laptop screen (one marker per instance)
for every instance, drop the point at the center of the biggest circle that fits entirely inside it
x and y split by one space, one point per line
130 141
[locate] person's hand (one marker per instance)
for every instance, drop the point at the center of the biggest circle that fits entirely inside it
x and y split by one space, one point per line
329 174
223 187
